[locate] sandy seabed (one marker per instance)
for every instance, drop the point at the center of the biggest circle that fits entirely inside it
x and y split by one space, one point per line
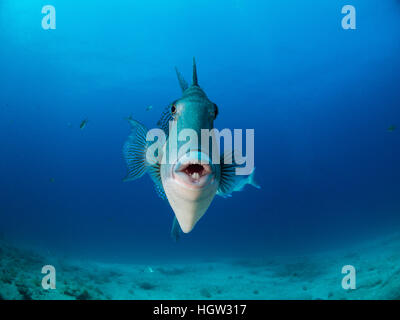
317 276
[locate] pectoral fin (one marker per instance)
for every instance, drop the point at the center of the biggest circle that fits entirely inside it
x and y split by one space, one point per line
228 176
231 182
135 151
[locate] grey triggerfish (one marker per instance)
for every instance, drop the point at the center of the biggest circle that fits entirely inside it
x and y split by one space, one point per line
191 182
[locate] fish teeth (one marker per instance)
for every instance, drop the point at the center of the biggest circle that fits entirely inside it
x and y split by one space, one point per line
195 175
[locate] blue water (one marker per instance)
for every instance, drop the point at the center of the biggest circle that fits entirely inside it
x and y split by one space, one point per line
320 98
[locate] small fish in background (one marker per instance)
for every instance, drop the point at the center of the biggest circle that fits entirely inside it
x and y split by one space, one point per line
150 269
148 108
391 128
69 125
83 124
52 180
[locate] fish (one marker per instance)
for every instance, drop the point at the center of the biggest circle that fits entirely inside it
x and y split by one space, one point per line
83 124
240 183
190 181
150 269
391 128
148 108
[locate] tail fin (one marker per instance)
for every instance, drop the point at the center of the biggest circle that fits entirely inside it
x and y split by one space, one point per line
135 149
175 230
252 180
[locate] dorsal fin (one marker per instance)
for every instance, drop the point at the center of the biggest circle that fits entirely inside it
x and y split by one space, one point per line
195 82
182 82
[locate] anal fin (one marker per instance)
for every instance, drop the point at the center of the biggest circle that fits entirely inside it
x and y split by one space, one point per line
175 230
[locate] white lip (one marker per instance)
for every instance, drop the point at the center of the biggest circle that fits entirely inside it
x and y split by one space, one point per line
193 170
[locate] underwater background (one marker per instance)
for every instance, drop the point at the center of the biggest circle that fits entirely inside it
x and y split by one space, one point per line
324 103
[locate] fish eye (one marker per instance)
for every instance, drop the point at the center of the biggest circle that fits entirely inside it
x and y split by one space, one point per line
215 111
173 109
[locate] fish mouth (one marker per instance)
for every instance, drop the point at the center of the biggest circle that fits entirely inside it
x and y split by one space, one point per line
193 170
